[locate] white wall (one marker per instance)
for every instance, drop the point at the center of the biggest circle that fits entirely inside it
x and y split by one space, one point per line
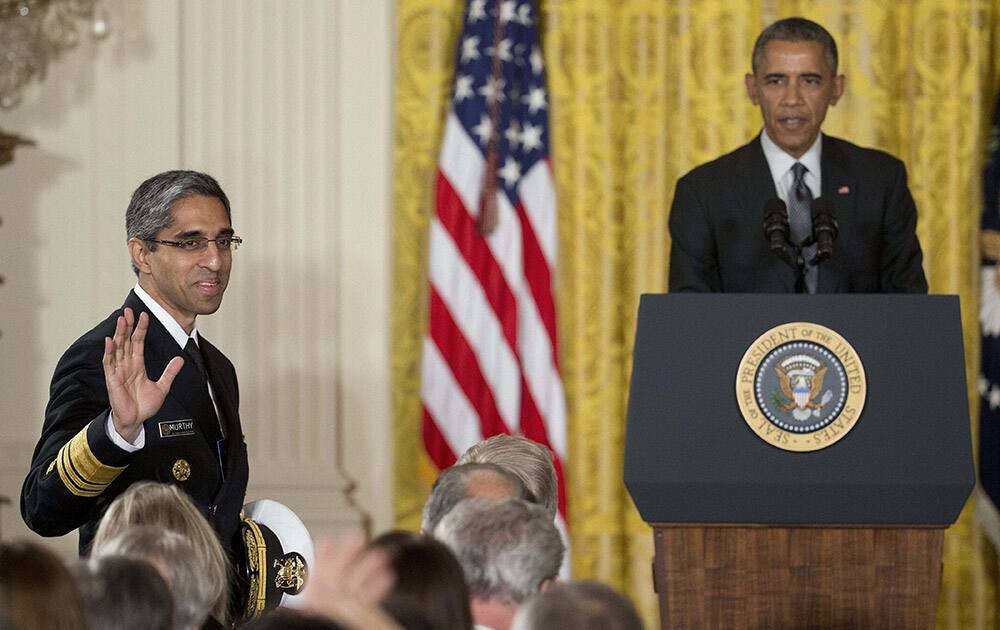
288 104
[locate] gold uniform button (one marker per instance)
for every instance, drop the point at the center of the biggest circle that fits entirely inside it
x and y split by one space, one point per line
182 470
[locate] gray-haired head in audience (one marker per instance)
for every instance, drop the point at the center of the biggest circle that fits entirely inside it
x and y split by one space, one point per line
176 559
122 593
469 480
529 460
509 550
578 605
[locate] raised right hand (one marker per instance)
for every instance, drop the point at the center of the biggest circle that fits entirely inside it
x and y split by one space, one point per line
134 397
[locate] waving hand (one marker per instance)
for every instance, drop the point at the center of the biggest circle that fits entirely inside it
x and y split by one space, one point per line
134 397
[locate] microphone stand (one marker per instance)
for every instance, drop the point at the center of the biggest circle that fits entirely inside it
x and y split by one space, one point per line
777 233
780 241
801 265
792 255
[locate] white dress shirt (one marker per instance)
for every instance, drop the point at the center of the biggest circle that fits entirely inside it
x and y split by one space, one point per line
781 164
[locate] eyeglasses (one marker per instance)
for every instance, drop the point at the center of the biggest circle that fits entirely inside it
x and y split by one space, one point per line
198 244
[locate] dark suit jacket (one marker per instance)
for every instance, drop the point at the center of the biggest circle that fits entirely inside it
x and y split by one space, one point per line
718 242
76 471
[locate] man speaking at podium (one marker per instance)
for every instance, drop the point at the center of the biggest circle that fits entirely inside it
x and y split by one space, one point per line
796 210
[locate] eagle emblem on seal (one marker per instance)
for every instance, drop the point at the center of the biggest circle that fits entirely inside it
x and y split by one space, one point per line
801 380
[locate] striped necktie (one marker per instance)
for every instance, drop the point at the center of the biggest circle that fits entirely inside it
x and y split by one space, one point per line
800 219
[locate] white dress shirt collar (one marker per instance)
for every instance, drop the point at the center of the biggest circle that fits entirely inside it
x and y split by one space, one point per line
165 318
780 163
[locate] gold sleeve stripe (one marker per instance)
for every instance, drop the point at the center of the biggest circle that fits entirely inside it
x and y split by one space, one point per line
80 470
71 479
990 242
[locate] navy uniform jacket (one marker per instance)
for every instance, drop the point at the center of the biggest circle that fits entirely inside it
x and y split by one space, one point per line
76 471
718 240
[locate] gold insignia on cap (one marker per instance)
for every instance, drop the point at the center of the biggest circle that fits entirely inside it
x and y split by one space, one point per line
181 470
291 575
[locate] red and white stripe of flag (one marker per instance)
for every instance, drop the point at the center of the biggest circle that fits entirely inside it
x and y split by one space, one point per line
490 360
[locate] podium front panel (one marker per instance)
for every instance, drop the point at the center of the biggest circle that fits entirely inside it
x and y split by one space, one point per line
691 458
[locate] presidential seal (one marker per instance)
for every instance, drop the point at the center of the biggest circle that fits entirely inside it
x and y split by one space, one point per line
801 386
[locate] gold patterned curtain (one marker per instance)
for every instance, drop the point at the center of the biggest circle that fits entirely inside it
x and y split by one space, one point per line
641 91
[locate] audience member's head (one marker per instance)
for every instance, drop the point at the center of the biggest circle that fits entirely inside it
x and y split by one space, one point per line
121 593
469 480
37 591
529 460
176 558
169 507
289 619
430 588
509 550
579 605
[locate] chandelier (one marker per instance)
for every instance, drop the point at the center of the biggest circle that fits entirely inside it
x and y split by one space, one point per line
34 33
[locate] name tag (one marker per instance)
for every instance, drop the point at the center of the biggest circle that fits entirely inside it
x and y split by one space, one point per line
176 428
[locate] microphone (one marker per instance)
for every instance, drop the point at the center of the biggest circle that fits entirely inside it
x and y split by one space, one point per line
776 229
825 230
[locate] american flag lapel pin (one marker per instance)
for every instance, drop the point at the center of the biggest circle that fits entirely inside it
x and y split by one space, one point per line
844 190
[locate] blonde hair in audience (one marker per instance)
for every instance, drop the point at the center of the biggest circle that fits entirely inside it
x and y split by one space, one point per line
167 506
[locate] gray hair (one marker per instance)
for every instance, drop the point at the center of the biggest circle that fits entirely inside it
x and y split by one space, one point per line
529 460
507 547
176 558
580 605
149 210
121 593
460 482
795 29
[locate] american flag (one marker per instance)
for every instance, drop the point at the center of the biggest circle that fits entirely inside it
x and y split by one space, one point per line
490 362
988 507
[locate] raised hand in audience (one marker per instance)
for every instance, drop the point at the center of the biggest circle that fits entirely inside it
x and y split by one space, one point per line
348 581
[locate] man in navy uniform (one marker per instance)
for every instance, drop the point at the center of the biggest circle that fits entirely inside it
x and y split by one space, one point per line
143 396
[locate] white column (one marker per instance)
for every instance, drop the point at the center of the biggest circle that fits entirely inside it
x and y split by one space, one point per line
286 103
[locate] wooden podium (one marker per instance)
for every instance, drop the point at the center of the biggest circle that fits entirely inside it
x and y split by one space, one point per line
749 535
